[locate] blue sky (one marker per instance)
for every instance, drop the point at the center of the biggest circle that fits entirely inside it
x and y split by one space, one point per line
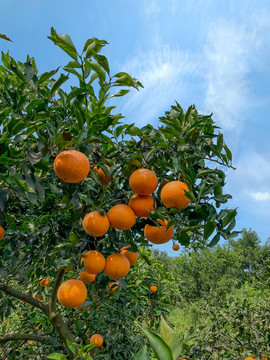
211 53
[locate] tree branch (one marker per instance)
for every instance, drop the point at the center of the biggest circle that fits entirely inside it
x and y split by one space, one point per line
220 162
17 336
57 283
24 297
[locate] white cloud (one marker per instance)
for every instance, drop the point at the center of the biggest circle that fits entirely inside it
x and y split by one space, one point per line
227 54
162 73
231 50
261 196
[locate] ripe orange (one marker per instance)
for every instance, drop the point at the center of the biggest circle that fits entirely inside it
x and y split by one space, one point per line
96 339
249 358
140 204
71 166
153 289
176 247
86 277
2 232
102 175
96 224
131 256
157 235
44 282
37 297
143 181
117 266
95 262
72 293
113 287
121 217
173 195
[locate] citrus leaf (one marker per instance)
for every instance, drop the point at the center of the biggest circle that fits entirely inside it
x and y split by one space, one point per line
143 354
64 42
160 348
97 68
209 228
170 338
57 356
3 36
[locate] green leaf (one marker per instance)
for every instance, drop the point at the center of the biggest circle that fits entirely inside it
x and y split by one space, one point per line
3 36
189 194
170 338
228 152
143 354
64 42
97 68
102 60
160 348
124 79
133 131
71 346
208 229
93 46
33 157
219 142
214 241
57 356
63 78
122 92
47 75
30 73
184 238
228 218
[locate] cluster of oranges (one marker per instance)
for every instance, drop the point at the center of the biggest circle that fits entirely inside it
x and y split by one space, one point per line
73 166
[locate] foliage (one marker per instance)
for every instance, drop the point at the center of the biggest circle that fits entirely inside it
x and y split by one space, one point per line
43 215
166 345
236 329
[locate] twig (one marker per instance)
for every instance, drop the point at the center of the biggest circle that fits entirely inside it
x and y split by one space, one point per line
57 283
18 336
24 297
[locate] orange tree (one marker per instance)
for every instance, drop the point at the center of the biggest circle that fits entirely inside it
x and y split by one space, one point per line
44 198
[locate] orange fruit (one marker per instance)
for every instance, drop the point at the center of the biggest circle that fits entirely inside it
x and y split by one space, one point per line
249 358
153 289
96 224
102 175
94 261
87 278
2 232
157 235
143 181
37 297
71 166
112 287
140 204
117 266
131 256
44 282
173 195
176 247
121 217
72 293
96 339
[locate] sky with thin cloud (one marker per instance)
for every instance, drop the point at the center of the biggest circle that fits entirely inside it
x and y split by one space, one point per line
211 53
